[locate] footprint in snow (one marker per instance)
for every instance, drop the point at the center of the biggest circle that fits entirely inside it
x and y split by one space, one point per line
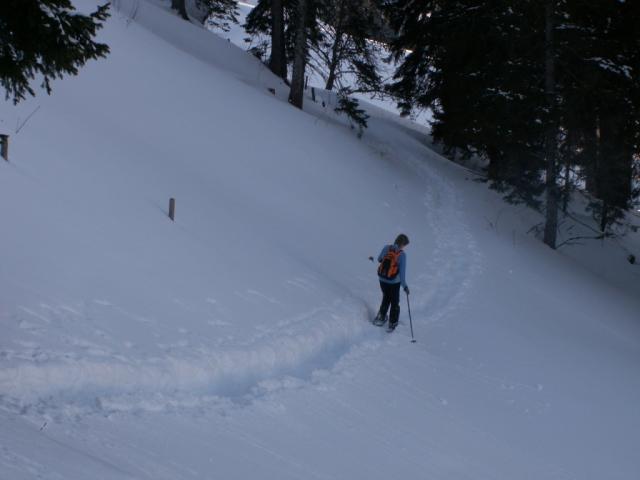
218 323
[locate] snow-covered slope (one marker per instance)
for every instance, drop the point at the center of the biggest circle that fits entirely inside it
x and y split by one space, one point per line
235 342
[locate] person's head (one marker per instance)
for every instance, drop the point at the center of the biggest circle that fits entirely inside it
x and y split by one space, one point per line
401 241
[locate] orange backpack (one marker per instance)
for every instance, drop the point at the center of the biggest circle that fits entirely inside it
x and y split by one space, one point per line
390 264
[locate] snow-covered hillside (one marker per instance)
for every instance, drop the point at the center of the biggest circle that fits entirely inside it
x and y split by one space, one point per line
235 342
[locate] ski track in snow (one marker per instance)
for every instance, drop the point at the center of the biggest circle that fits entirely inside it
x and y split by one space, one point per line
456 260
319 340
103 381
94 377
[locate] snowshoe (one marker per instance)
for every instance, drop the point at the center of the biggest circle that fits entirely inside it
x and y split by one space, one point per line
379 320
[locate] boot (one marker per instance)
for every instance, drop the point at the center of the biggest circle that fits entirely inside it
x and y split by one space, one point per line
380 319
394 316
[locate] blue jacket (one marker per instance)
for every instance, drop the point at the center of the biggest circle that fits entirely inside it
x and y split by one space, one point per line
402 267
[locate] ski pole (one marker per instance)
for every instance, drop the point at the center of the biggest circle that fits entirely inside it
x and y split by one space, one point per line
413 340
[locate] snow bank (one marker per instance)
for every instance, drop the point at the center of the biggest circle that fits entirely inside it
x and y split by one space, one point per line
225 373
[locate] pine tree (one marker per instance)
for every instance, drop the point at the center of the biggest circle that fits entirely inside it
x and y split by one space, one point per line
299 33
219 14
261 21
345 48
351 108
544 91
551 126
45 38
180 7
601 93
472 83
338 33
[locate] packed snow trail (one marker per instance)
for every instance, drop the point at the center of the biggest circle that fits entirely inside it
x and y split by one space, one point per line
296 347
455 260
284 307
317 340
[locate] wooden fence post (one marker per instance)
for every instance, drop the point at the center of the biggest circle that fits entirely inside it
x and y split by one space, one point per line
172 209
4 146
313 94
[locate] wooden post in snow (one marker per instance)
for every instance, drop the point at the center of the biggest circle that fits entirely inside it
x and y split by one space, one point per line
4 146
172 209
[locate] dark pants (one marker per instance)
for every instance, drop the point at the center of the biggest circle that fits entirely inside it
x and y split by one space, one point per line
390 297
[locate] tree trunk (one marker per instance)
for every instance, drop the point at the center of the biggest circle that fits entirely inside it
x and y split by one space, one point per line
180 7
278 60
566 194
335 57
335 51
551 149
615 175
300 59
571 139
604 217
593 159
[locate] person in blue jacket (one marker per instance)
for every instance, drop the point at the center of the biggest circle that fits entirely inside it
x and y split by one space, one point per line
392 271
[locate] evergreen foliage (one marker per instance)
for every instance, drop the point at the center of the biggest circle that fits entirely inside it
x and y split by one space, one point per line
345 48
259 21
45 39
351 107
220 13
338 32
180 6
548 97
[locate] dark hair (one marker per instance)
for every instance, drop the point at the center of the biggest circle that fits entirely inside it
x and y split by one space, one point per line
402 240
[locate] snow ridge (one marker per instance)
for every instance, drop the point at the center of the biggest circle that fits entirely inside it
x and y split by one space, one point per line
232 373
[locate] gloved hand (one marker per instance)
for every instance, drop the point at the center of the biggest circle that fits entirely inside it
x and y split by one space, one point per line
406 290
